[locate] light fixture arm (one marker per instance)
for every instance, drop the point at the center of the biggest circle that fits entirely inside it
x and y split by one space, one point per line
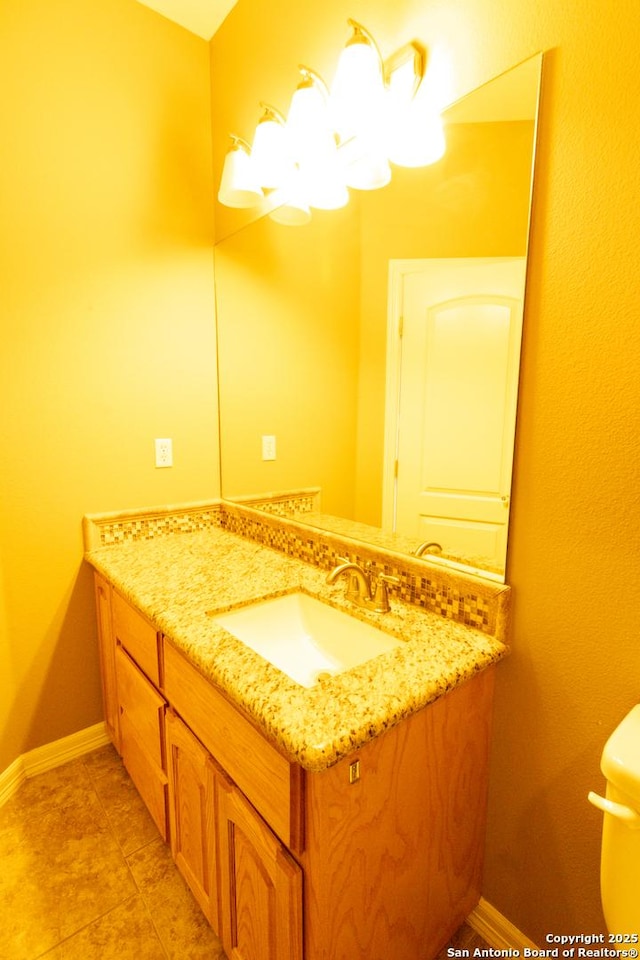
271 113
238 143
362 35
310 79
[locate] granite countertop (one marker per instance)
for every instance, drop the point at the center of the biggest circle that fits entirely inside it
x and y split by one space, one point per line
179 581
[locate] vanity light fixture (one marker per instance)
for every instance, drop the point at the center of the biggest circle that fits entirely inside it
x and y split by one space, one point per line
270 154
377 113
239 186
415 131
357 106
314 145
357 92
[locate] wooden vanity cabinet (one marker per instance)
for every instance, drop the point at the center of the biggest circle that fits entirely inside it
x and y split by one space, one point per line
378 857
133 705
381 854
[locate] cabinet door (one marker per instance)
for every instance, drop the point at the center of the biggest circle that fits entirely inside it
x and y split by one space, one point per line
192 781
107 647
142 737
260 884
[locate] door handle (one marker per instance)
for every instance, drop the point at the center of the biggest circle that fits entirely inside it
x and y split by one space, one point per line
629 816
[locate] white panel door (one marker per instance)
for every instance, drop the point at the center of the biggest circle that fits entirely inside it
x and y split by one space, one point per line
457 397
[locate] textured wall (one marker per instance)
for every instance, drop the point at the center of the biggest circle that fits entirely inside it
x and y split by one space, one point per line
107 320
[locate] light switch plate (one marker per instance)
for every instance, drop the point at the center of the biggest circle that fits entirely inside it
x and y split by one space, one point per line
268 448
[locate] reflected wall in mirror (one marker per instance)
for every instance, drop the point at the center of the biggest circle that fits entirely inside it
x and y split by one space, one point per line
309 350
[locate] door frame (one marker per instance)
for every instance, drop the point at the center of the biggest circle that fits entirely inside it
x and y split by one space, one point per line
398 270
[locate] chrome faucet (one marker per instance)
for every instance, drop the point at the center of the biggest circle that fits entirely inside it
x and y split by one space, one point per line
359 589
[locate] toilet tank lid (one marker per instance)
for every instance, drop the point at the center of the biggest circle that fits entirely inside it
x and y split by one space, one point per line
621 755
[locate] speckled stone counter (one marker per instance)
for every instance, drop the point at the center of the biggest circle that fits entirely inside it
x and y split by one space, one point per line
179 581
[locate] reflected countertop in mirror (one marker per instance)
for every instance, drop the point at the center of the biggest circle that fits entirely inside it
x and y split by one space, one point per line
307 351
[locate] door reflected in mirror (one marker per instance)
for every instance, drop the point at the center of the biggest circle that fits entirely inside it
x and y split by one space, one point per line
408 440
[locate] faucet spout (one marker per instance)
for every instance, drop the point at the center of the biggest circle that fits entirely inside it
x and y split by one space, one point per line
359 584
429 546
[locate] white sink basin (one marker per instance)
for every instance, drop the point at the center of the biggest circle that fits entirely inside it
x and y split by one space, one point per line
305 638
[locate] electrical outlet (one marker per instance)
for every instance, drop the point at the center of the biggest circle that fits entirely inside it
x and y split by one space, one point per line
164 453
268 448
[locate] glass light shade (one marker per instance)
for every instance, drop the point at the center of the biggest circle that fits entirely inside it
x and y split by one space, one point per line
326 192
364 163
292 206
313 145
291 213
417 139
238 185
415 132
358 87
308 124
270 155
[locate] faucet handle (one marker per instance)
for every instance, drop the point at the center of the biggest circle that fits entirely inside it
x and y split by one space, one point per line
381 598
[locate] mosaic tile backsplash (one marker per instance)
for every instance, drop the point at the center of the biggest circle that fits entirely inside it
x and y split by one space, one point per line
103 530
465 599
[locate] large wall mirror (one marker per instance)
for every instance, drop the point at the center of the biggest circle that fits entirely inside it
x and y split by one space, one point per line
406 437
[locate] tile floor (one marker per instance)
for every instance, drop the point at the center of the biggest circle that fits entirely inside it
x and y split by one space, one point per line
84 874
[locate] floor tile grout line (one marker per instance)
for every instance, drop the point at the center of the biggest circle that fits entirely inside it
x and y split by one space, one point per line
90 923
90 779
147 907
125 856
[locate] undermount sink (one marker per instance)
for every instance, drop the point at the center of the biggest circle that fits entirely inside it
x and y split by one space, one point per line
305 638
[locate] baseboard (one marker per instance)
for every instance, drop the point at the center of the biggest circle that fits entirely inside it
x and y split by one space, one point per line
499 932
10 780
49 756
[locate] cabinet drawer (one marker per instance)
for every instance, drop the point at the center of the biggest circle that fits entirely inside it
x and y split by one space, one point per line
270 782
137 635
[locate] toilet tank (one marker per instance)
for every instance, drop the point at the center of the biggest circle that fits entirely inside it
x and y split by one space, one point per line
620 860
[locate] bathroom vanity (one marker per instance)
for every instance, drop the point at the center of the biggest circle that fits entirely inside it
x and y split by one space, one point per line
345 819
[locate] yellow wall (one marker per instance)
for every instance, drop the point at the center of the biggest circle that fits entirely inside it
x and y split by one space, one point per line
288 344
107 322
574 546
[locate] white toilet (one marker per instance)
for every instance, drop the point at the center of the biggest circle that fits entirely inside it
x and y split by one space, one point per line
620 860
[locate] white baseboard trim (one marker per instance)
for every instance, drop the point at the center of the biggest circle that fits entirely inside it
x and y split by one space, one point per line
499 932
49 756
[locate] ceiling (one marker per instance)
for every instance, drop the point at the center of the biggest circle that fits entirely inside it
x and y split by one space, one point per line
202 17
